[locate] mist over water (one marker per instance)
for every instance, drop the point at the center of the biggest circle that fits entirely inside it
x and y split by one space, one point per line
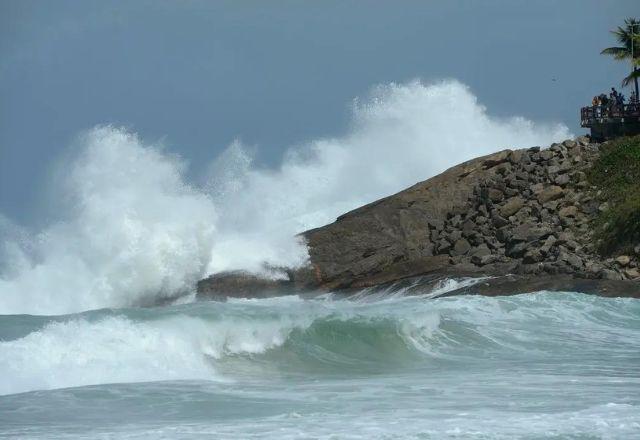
134 230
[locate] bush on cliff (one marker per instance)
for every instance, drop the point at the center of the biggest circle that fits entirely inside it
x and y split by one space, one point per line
617 174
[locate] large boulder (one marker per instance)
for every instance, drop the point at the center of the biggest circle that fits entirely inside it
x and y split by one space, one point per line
512 206
549 193
396 231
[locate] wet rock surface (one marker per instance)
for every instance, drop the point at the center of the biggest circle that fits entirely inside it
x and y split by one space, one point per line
525 212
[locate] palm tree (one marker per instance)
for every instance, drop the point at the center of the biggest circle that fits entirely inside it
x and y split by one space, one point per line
629 39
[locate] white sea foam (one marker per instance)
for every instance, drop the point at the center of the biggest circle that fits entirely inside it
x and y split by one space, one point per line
136 231
116 349
193 341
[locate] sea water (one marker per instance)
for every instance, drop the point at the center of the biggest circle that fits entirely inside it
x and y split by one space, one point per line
384 366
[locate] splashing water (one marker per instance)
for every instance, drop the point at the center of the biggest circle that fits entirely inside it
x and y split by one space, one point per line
133 231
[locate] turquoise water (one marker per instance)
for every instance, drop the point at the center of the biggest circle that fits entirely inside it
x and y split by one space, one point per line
534 366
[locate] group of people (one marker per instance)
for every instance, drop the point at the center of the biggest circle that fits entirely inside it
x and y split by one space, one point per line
613 104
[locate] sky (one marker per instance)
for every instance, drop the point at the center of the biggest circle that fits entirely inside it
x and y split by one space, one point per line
196 75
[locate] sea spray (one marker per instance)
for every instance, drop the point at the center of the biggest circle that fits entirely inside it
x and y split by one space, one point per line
135 231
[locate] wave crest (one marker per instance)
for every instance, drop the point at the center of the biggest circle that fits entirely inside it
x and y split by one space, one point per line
289 335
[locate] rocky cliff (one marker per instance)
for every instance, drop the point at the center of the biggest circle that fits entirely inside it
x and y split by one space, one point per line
527 212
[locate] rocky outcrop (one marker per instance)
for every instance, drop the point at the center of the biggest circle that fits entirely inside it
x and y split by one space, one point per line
516 284
521 212
241 284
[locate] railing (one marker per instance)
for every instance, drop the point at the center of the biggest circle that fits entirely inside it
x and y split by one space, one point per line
611 113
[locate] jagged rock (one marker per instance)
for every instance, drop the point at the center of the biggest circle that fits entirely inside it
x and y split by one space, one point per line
443 246
511 206
428 250
536 188
517 156
495 195
504 168
468 227
553 170
546 154
623 260
242 284
632 274
572 259
583 140
564 237
518 185
454 236
548 244
572 244
609 274
461 247
523 216
579 176
496 159
568 211
481 249
517 250
503 234
565 166
493 243
594 269
511 192
436 224
549 193
533 256
497 220
529 232
485 259
562 180
551 206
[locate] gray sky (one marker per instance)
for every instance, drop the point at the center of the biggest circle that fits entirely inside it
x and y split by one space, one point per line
200 73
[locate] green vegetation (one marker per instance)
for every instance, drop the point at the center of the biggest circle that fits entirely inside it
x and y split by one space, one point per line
628 36
617 174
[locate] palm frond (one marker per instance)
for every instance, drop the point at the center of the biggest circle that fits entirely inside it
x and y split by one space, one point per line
628 36
619 53
623 36
629 79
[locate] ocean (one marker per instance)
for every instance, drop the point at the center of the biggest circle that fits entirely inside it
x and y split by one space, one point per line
389 365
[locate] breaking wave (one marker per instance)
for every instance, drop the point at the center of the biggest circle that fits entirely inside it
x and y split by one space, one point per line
244 339
133 230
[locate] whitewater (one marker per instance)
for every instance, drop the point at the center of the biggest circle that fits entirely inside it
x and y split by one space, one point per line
545 365
130 228
101 336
